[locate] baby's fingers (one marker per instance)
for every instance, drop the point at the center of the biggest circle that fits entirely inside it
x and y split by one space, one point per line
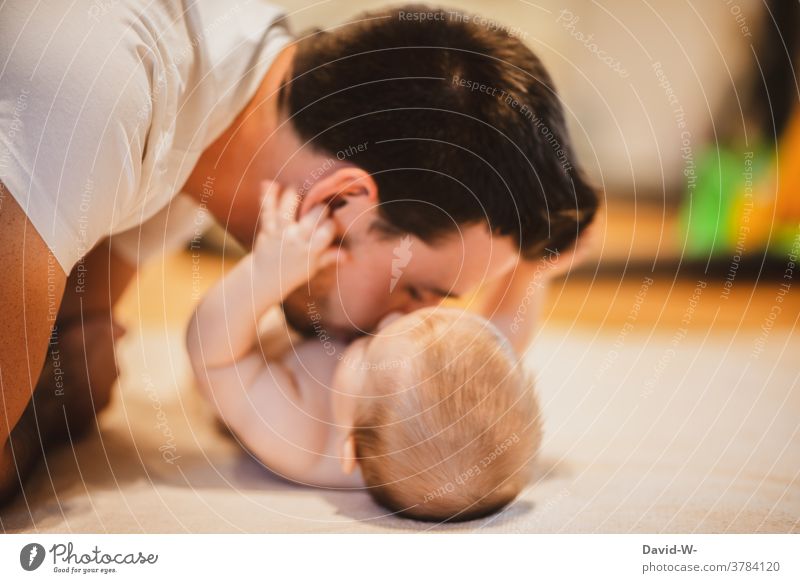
312 220
330 257
323 236
290 200
269 206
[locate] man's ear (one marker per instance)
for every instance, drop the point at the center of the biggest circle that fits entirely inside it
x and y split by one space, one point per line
349 454
344 182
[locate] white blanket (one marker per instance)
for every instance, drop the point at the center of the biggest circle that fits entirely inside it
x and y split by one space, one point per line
659 434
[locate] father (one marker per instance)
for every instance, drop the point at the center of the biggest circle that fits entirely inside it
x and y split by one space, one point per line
436 138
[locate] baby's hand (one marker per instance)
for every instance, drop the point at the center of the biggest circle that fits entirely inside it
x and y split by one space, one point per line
293 250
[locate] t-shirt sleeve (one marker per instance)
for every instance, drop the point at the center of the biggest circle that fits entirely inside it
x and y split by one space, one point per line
74 116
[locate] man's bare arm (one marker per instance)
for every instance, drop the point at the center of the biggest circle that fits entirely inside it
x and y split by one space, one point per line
514 302
79 357
96 283
30 296
86 337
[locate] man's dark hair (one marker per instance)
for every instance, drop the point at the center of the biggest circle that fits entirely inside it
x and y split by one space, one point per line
460 120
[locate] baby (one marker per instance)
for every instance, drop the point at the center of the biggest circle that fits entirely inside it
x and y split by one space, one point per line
433 413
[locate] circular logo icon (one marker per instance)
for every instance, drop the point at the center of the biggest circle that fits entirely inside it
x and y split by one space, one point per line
31 556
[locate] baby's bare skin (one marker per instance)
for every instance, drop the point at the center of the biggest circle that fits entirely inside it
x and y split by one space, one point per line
296 404
276 397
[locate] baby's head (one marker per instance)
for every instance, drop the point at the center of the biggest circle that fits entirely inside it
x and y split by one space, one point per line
445 420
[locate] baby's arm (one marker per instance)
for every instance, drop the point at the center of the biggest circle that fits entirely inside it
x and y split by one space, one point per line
260 400
286 254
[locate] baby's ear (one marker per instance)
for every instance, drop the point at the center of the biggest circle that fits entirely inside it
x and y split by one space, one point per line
349 454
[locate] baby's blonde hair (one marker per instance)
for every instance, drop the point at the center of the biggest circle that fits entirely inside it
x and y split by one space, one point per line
454 436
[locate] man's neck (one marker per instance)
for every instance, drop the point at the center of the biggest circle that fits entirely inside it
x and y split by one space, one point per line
227 177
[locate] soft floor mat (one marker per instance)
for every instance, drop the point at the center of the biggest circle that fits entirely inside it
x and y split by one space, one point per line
643 434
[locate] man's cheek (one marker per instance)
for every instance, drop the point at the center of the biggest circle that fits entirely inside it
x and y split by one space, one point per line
363 302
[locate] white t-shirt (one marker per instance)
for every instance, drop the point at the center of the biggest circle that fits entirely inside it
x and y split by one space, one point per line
106 106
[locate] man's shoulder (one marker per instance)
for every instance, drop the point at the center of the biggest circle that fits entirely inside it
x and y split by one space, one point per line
67 58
